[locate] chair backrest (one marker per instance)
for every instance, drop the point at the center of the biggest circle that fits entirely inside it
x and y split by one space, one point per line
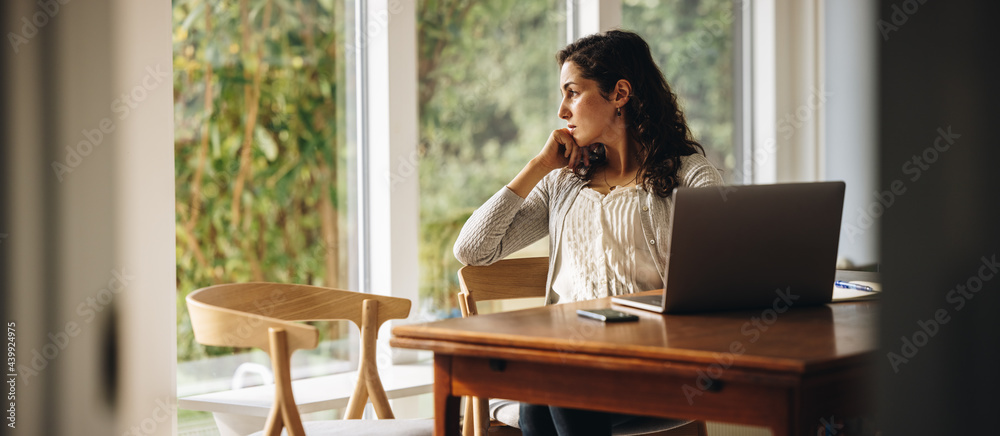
265 315
505 279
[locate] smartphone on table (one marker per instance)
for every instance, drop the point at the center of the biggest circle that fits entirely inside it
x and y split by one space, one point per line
607 315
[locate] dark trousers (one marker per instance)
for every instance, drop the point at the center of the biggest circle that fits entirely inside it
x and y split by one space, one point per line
559 421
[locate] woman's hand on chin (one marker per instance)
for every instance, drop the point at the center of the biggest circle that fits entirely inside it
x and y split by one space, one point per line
561 150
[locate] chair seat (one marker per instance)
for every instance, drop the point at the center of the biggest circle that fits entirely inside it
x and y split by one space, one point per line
509 412
367 427
646 425
505 411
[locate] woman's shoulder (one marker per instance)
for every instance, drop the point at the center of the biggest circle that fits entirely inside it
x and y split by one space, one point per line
559 178
693 161
697 170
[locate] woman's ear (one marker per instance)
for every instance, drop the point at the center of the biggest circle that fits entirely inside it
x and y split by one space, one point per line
622 93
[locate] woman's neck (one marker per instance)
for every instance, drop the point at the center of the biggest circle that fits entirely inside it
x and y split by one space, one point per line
621 159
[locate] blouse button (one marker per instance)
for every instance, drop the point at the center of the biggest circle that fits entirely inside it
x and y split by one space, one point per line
644 208
652 241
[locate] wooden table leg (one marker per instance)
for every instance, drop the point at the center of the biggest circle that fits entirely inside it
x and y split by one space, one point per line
784 427
445 404
784 417
782 430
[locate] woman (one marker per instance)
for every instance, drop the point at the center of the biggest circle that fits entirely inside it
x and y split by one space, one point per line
600 188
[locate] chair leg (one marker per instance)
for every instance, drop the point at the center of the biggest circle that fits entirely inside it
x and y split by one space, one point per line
468 422
481 413
702 428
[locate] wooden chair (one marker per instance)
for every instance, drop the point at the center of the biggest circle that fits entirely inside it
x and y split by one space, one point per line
526 278
265 315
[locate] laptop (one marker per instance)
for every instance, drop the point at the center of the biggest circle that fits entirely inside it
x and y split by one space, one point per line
753 246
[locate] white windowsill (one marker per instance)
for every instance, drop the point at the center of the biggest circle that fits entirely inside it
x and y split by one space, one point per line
314 394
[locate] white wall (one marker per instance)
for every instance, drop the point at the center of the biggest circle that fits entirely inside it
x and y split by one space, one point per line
787 91
141 43
850 128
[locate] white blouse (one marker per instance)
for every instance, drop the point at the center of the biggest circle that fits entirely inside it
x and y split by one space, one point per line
598 255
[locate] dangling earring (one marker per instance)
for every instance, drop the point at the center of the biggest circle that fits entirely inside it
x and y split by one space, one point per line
619 111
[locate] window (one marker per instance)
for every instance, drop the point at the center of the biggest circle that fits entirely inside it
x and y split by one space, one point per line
484 112
693 42
262 158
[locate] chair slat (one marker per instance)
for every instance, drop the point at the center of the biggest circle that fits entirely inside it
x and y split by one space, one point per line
508 278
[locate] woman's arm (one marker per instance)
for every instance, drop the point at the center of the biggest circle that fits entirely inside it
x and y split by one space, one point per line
504 224
518 214
530 175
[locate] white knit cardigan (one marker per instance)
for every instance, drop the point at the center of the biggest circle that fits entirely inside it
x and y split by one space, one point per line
507 223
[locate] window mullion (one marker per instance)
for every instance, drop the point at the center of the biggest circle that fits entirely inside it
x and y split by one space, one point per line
389 182
586 17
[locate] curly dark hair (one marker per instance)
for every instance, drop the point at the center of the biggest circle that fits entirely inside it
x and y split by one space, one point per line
653 118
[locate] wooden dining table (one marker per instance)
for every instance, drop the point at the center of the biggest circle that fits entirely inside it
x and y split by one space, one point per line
791 369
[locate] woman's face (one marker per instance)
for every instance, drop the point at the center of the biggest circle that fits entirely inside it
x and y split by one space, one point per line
590 117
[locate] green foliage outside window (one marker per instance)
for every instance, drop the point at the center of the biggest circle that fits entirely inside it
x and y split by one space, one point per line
692 41
259 147
487 98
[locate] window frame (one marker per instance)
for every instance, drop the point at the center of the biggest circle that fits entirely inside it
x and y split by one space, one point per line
786 46
388 131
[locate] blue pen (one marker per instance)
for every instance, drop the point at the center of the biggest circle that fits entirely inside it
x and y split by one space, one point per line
855 286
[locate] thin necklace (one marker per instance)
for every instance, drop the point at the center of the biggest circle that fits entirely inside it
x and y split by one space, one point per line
612 188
